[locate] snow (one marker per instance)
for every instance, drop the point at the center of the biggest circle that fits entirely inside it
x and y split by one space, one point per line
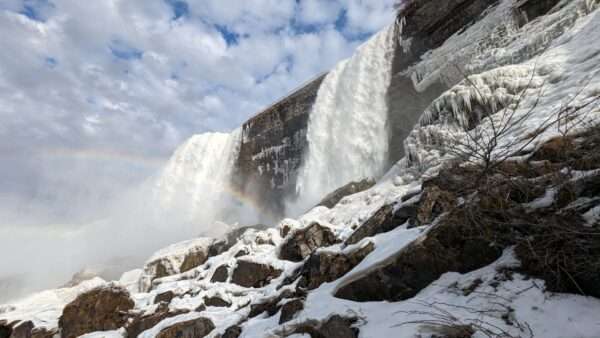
45 308
106 334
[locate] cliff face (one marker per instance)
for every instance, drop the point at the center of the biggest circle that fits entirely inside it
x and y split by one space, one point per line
272 146
274 141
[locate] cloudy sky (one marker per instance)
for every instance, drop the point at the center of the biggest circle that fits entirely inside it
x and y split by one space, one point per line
95 95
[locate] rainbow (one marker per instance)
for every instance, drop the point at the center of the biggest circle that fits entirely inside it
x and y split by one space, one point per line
153 163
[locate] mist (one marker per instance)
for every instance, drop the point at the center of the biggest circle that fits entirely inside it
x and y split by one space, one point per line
104 216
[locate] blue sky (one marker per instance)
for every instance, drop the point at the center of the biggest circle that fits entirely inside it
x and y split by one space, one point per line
137 77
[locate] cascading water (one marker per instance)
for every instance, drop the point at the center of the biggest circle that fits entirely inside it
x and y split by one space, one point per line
196 182
347 130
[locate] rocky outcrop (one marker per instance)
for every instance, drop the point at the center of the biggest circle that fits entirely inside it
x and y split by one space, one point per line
175 259
385 219
334 327
101 309
195 328
140 323
349 189
304 241
290 309
232 332
216 301
220 275
273 143
253 275
24 329
323 267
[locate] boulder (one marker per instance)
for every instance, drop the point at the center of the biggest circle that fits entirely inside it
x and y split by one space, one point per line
195 328
434 202
177 258
166 297
216 301
385 219
220 275
323 267
232 332
24 329
101 309
141 323
453 245
253 275
334 327
270 305
349 189
303 242
290 309
231 238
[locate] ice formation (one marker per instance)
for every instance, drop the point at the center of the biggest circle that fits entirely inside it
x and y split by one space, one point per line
347 130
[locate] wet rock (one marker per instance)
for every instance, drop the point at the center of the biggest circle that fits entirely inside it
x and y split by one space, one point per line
101 309
253 275
141 323
323 267
166 297
290 309
216 301
220 275
304 241
195 328
349 189
385 219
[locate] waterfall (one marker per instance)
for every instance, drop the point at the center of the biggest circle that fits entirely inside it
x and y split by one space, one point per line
196 182
347 130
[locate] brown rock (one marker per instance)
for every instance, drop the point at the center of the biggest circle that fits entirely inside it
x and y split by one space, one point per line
166 297
270 305
384 220
193 260
303 242
139 324
450 246
195 328
253 275
433 203
101 309
290 309
325 267
335 327
22 330
232 332
220 275
349 189
216 301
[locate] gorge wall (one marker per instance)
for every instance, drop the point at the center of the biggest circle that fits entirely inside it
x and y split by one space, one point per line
274 141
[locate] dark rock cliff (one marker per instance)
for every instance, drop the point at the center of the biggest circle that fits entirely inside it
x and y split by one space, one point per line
273 143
